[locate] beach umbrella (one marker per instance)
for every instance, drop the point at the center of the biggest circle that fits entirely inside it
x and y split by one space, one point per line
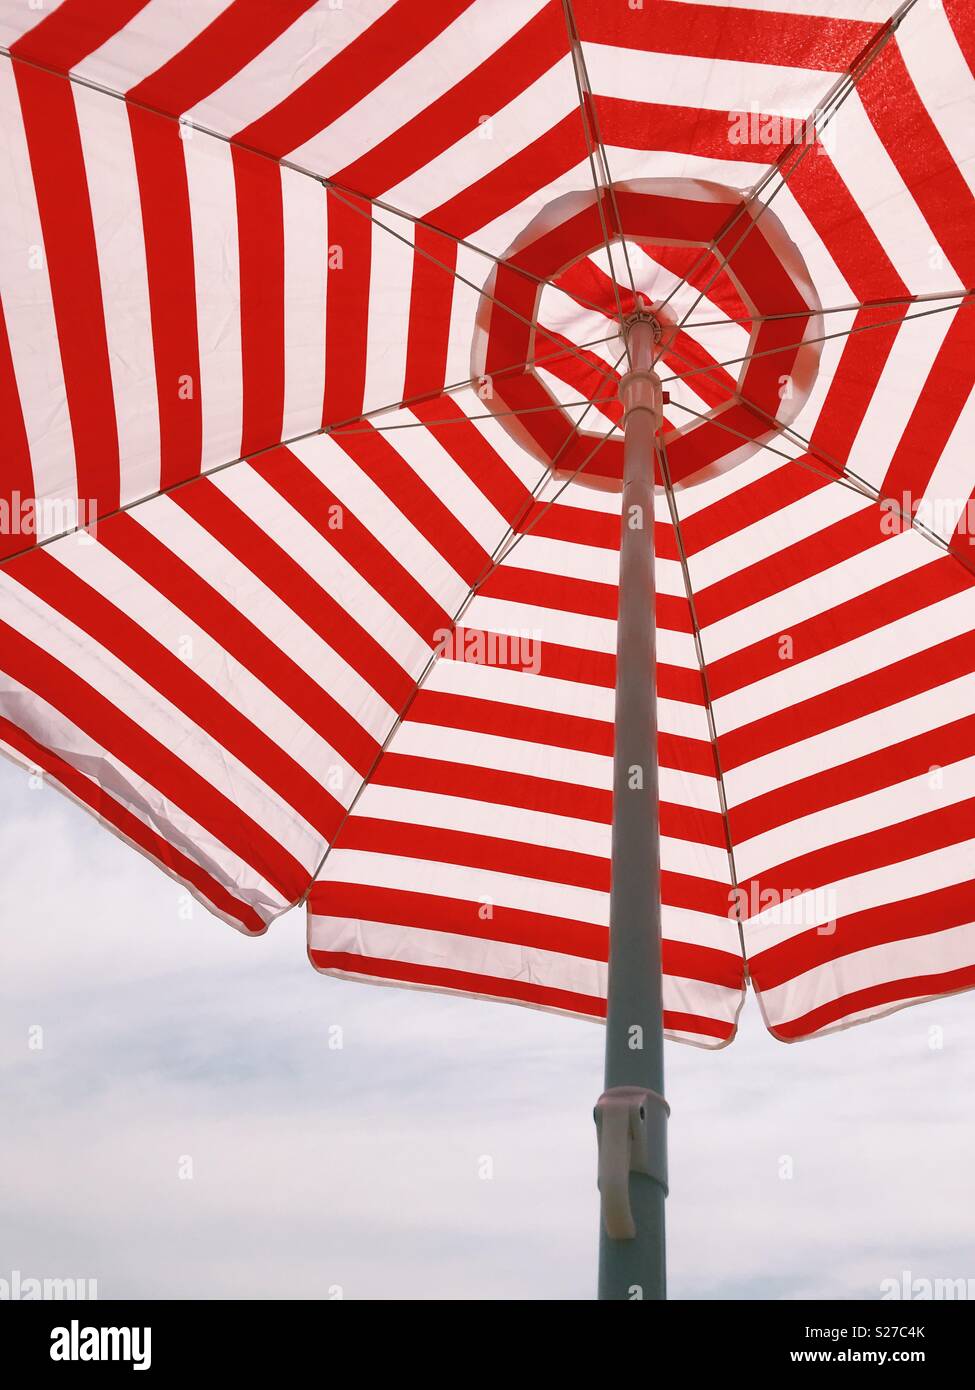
499 473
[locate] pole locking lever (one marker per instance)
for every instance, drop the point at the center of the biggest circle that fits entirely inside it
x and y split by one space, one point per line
631 1129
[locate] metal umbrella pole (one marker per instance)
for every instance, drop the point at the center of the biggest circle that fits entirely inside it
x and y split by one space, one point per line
631 1114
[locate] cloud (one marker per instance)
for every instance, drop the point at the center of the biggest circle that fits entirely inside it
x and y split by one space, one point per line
445 1149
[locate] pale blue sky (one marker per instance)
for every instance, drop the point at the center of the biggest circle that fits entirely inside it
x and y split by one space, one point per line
315 1167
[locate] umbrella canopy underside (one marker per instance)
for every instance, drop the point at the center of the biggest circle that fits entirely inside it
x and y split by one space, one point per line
309 357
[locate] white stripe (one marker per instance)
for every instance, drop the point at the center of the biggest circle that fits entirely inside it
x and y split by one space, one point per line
305 260
304 48
51 729
260 605
370 505
892 883
324 565
522 687
830 590
213 211
163 721
874 651
390 296
144 45
416 84
938 69
518 825
213 663
930 791
952 949
29 310
116 209
542 760
881 729
431 461
17 19
502 961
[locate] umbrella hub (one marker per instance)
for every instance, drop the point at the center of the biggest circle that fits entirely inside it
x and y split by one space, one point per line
733 318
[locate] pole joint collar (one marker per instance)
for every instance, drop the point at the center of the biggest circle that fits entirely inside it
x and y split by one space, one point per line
631 1128
641 390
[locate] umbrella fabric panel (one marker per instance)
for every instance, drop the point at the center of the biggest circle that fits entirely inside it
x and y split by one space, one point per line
226 675
840 667
228 681
159 319
477 859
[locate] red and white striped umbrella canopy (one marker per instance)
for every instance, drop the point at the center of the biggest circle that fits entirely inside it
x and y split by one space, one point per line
309 355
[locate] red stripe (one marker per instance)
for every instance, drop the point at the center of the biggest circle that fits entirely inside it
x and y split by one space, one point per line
434 977
216 615
18 476
555 153
432 912
961 17
514 991
941 400
248 540
175 780
919 918
914 989
351 75
215 716
75 29
61 185
855 617
568 731
747 505
439 846
108 809
336 523
167 228
576 664
585 596
431 300
898 762
876 849
878 690
538 931
923 160
562 522
736 34
379 460
803 559
346 308
500 78
536 794
260 229
472 453
219 52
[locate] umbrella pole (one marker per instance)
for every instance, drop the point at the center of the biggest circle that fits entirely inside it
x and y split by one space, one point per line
631 1115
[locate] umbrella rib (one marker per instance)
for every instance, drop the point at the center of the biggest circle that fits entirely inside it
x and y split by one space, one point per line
467 382
660 448
488 415
853 308
835 98
594 147
286 443
965 297
861 484
500 553
166 491
851 481
531 323
78 80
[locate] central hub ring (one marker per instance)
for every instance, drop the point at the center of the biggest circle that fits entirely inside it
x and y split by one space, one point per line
548 310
